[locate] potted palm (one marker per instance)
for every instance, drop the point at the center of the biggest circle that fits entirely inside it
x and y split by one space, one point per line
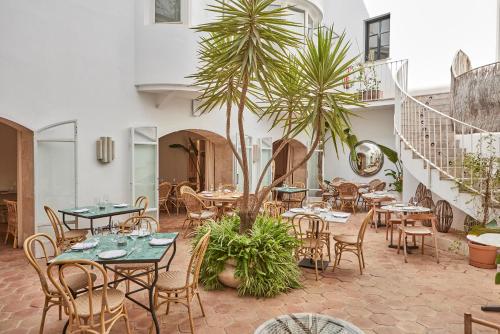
251 61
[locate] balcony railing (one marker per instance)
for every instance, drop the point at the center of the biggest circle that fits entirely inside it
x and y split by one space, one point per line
373 81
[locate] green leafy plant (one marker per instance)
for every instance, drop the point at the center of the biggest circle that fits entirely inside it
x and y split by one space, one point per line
396 174
247 64
264 258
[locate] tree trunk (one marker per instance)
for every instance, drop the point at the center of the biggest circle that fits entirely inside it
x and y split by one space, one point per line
247 218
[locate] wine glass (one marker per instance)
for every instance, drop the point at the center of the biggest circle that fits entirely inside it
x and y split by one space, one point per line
134 235
114 230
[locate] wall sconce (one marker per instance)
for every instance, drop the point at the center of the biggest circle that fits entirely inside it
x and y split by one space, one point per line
105 149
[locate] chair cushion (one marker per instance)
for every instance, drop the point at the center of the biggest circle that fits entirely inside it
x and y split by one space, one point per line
346 239
311 242
75 282
203 215
115 299
420 230
348 198
134 266
173 280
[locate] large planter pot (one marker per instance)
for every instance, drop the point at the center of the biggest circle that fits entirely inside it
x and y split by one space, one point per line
370 95
482 256
226 277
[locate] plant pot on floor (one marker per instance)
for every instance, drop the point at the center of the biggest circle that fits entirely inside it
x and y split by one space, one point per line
482 256
227 277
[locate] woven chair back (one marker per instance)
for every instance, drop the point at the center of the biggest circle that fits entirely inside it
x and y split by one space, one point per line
73 308
187 189
48 250
364 225
348 189
309 225
192 202
196 260
164 190
379 186
143 222
11 215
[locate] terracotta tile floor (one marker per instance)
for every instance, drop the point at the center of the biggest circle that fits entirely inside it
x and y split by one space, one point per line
390 297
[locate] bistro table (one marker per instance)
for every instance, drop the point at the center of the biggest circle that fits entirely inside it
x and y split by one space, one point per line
307 323
289 191
327 216
138 251
404 209
376 199
225 198
95 212
357 184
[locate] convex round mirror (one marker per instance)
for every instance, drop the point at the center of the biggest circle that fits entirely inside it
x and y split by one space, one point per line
367 159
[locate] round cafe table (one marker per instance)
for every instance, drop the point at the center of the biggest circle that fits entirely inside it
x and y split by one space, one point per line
307 323
223 197
376 199
404 209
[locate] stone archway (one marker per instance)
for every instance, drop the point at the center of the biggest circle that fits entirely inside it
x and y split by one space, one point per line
24 192
213 164
290 156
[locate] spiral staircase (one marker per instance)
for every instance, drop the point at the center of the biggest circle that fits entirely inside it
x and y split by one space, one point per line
433 147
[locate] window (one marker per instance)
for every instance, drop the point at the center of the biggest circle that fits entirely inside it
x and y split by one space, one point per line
377 38
167 11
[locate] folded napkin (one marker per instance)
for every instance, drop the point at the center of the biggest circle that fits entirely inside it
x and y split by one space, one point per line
85 245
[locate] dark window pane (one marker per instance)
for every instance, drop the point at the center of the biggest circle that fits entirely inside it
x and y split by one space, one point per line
384 39
385 25
167 11
384 52
373 28
373 41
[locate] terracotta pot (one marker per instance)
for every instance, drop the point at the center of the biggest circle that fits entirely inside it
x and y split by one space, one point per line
482 256
226 277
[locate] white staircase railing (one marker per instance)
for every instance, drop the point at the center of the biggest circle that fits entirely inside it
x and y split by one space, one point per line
441 141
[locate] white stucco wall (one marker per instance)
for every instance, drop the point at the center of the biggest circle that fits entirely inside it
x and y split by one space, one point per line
426 32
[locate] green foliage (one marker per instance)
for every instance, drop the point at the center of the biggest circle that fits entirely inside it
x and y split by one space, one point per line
396 174
478 230
264 258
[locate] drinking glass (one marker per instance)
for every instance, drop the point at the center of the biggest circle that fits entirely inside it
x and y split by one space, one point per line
114 230
211 187
133 235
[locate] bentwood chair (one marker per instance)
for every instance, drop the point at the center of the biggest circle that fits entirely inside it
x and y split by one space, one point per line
140 202
132 268
64 239
348 194
164 190
352 243
419 231
95 311
295 199
48 250
182 286
309 230
273 209
196 211
11 221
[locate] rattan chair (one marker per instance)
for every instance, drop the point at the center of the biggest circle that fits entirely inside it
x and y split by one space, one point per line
419 231
48 250
273 209
64 239
352 243
164 190
176 197
95 311
132 268
197 212
295 199
309 230
182 286
140 202
348 195
11 222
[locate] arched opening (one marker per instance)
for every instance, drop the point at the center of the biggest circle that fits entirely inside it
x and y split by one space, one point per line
290 156
17 177
201 157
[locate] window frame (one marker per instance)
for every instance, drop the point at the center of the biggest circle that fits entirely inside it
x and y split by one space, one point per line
367 23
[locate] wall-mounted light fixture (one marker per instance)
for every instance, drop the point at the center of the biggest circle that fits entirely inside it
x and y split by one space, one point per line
105 149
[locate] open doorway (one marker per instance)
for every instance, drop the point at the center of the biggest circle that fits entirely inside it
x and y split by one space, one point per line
290 156
201 157
16 180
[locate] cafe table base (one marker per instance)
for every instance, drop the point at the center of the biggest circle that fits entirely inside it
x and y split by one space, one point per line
309 263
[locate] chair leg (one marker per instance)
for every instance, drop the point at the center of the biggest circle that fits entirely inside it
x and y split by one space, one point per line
362 257
168 303
423 244
60 308
399 241
315 267
201 305
359 262
404 247
387 230
44 314
191 323
328 249
127 323
436 247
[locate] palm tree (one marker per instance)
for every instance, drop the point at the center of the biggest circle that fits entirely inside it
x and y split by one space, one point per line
249 59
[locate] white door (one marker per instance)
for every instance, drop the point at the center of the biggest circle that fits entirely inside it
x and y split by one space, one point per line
266 153
56 173
238 173
315 168
144 178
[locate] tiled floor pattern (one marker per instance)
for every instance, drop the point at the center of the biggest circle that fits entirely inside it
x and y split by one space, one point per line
390 297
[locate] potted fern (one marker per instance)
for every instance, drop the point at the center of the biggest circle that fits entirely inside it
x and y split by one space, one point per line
251 61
